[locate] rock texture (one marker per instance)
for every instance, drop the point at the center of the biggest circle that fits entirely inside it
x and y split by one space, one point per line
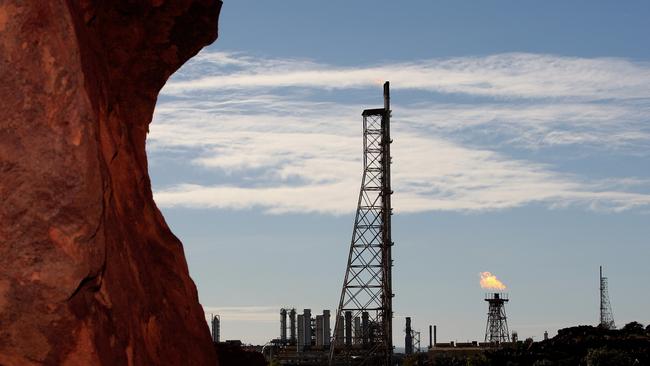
90 274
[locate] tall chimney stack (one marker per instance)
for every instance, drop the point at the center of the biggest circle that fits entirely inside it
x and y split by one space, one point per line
408 339
435 335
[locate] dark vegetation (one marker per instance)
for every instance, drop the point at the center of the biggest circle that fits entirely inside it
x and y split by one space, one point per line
575 346
231 353
583 345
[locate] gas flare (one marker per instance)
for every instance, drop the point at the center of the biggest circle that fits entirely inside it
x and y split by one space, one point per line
490 282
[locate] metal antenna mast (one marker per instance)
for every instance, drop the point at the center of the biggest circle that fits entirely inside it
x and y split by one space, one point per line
606 314
367 294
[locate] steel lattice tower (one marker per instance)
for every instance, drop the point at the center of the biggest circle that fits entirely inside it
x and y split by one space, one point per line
606 314
367 290
416 342
496 330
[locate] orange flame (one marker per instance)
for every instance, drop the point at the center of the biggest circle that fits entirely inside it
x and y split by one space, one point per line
490 281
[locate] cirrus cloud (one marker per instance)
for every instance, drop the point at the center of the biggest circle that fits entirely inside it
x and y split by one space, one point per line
278 125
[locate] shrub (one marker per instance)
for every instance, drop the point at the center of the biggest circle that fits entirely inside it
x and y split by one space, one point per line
608 357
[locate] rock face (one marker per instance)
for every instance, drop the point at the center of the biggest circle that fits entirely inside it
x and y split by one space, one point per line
90 274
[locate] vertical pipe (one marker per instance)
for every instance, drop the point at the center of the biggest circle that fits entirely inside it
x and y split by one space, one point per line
216 328
386 232
283 325
326 328
213 330
292 325
307 326
319 331
301 332
365 329
430 336
435 335
357 330
340 331
348 328
408 339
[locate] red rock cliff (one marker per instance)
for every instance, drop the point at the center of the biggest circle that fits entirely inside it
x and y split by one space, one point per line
90 273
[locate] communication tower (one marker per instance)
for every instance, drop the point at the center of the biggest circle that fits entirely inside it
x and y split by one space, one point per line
606 314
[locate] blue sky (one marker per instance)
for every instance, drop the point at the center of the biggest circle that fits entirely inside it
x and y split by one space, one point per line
521 148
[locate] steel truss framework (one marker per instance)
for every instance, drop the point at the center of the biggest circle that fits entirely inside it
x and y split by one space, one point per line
606 313
367 290
416 342
496 330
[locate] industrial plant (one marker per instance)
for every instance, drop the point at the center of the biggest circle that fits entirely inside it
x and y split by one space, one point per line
305 339
362 331
305 332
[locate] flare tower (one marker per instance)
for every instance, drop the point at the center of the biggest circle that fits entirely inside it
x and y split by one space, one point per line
363 331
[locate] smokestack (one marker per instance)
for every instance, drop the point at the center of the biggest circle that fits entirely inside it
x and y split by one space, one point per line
307 326
216 328
387 96
292 325
301 332
340 335
348 328
365 328
326 328
435 335
430 336
283 325
408 339
319 331
357 330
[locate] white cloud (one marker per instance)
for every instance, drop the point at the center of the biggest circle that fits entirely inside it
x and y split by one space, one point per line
429 174
538 125
300 155
511 75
